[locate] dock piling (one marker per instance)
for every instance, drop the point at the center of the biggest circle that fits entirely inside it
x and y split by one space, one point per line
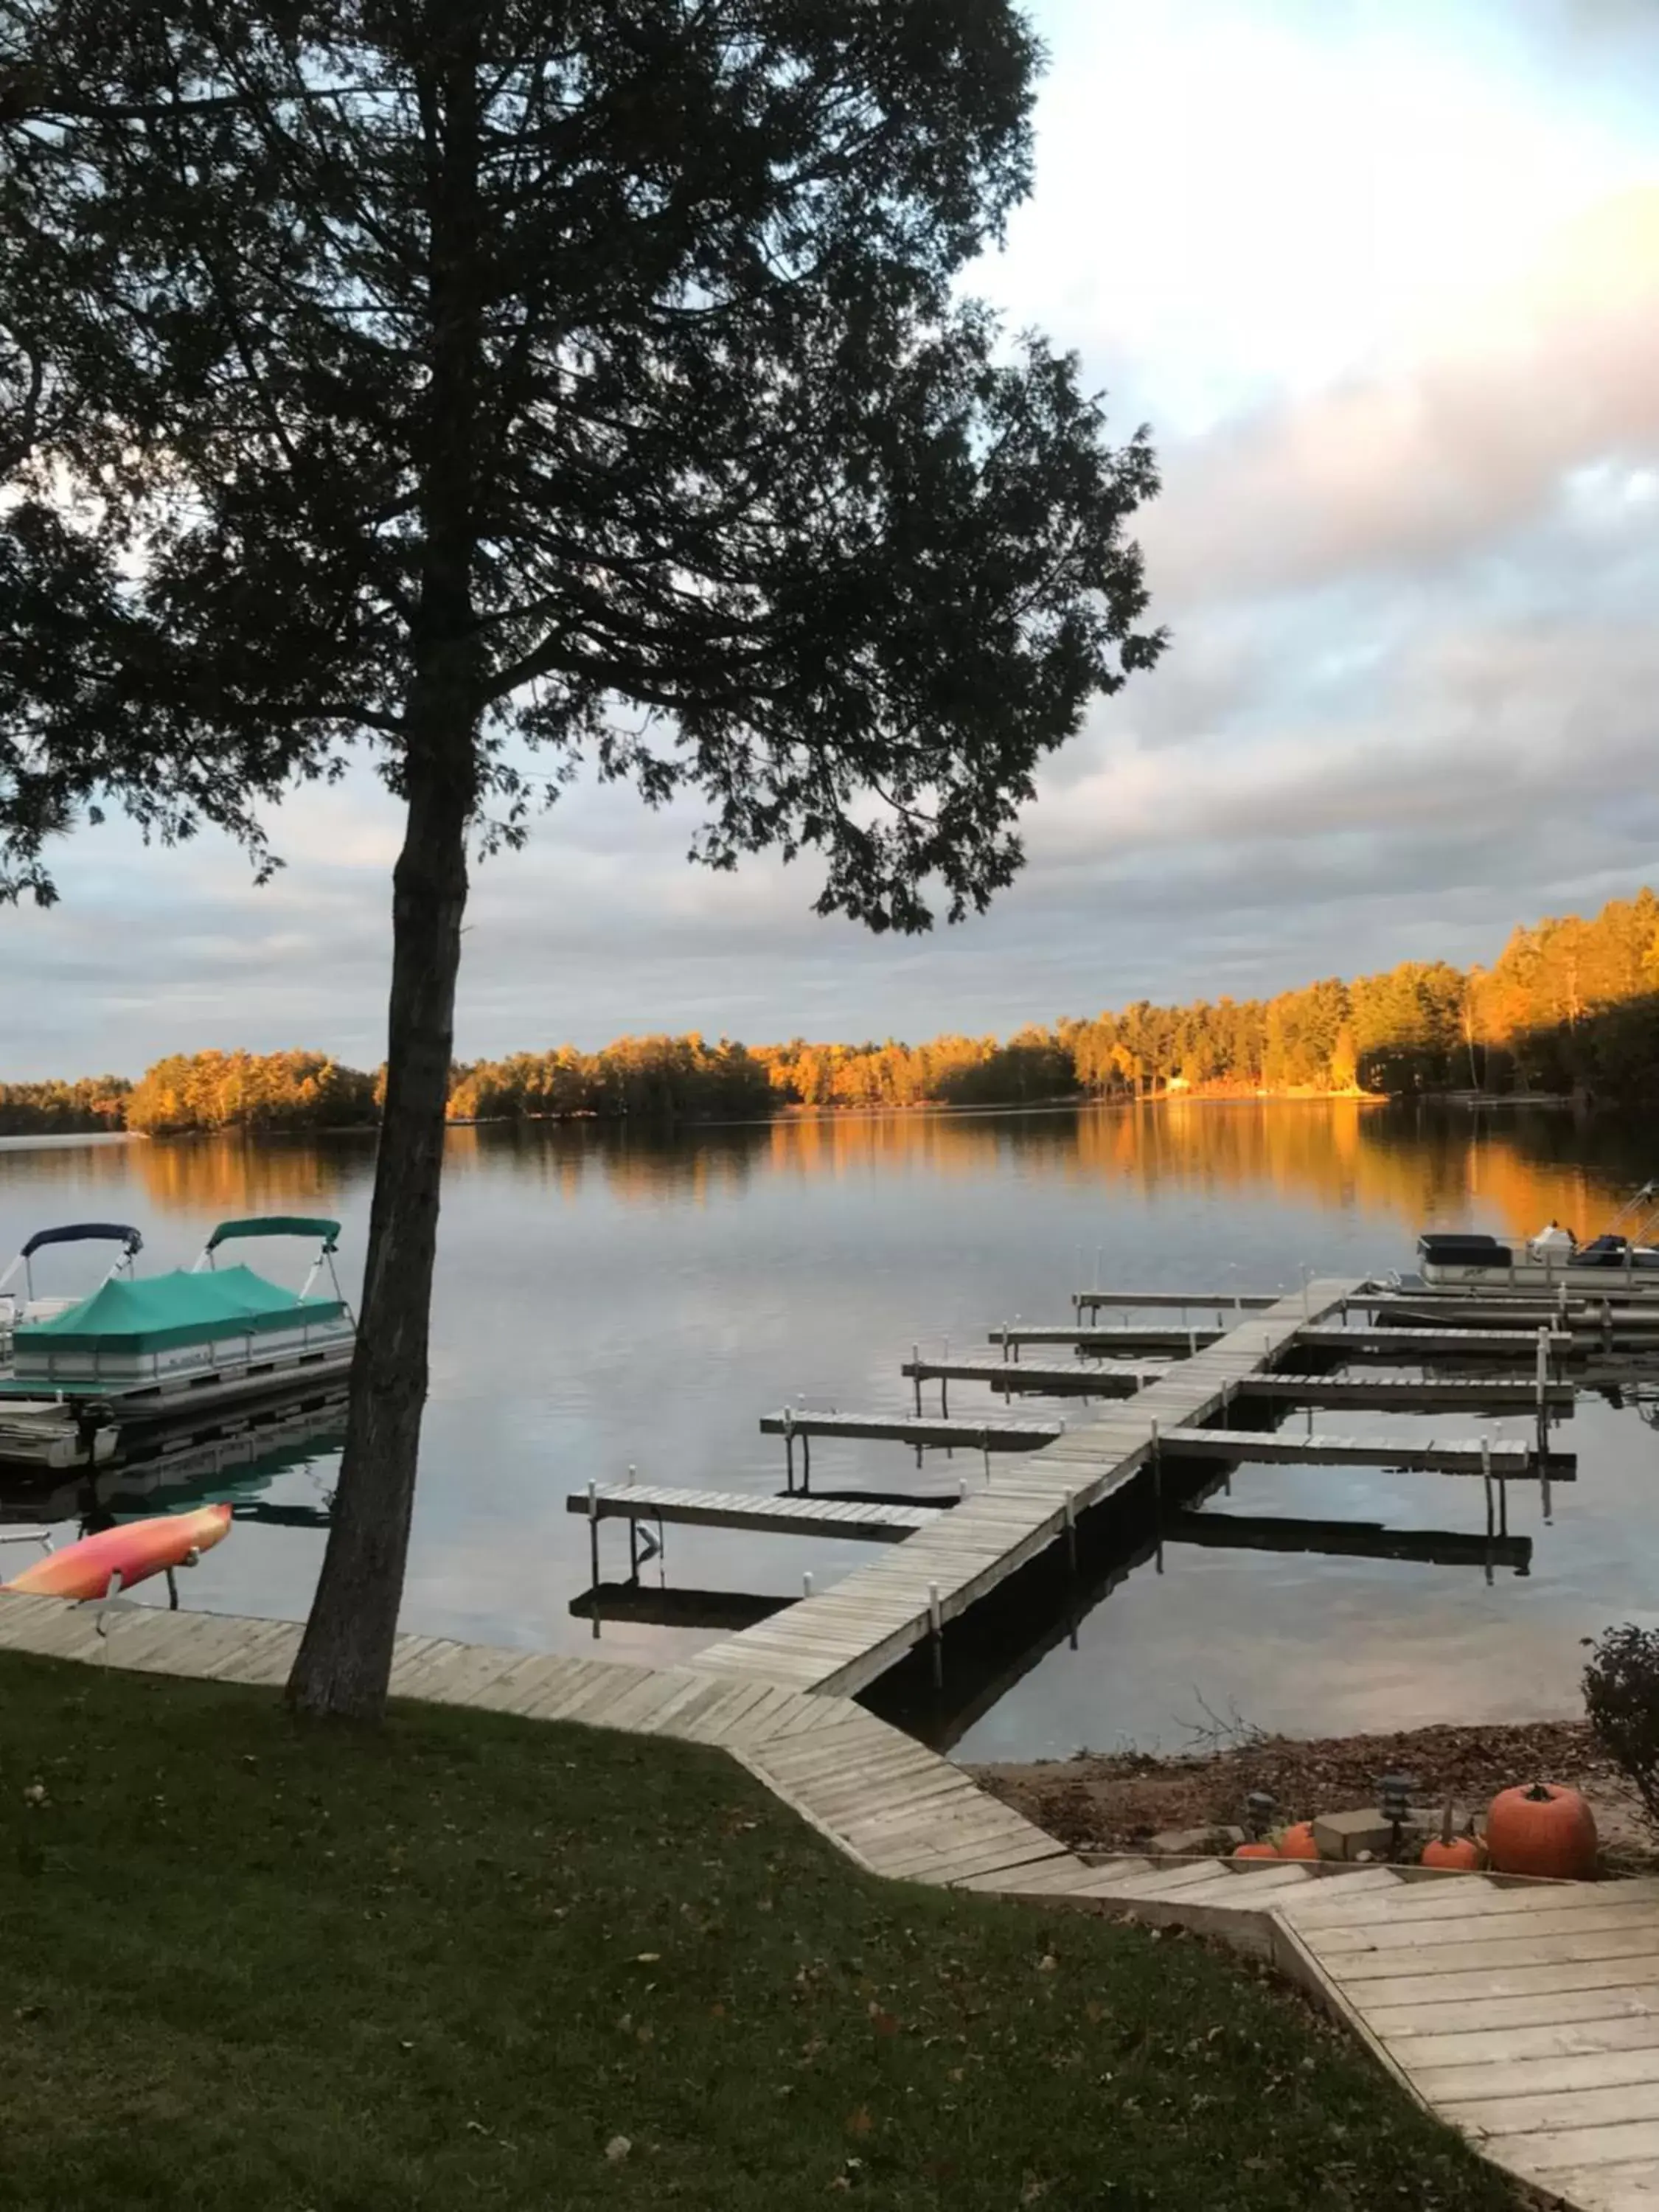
1486 1476
593 1551
936 1634
915 1362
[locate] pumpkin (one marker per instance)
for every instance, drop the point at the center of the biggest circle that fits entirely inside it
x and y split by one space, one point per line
1257 1851
1453 1854
1297 1842
1544 1829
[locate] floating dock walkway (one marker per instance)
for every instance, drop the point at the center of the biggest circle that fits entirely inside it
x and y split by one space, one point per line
844 1639
948 1554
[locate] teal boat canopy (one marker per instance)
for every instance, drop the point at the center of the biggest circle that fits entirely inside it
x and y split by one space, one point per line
276 1225
158 1312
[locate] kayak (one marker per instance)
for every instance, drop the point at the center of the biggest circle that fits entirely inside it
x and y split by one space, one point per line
135 1550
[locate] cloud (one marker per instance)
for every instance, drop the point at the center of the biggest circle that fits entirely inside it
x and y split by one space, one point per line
1387 284
1444 452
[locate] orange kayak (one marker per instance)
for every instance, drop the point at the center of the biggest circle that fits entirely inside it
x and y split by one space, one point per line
134 1550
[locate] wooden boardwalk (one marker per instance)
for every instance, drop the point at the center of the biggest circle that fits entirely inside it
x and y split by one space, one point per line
1526 2015
844 1639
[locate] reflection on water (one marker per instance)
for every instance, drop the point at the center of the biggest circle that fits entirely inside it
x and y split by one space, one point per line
608 1298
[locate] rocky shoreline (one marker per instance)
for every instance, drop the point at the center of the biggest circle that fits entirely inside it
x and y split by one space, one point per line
1121 1802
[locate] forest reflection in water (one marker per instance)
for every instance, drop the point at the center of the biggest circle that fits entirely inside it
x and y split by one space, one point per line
609 1297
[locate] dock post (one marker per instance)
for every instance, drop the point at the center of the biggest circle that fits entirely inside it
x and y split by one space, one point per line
1191 1341
593 1551
936 1633
1486 1477
806 1585
1070 1532
789 1450
985 1453
1543 1390
1226 1423
916 1364
944 1397
1157 1491
805 1461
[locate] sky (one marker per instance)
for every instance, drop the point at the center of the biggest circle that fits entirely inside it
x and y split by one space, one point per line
1384 282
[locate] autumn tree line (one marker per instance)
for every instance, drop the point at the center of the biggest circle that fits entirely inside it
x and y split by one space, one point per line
1570 1005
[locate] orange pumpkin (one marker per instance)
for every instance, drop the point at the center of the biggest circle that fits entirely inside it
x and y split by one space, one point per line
1257 1851
1544 1829
1298 1842
1455 1854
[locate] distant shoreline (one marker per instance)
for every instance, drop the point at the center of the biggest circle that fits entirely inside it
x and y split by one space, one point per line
793 1115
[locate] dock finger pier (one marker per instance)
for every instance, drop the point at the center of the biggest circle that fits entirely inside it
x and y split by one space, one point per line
1201 1393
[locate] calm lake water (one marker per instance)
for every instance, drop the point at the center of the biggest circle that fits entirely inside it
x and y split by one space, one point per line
606 1300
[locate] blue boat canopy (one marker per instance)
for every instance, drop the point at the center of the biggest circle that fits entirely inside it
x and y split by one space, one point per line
82 1232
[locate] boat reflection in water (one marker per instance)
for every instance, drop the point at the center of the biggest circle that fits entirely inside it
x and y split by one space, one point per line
295 1449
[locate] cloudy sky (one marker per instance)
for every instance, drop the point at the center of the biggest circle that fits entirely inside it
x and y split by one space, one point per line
1385 278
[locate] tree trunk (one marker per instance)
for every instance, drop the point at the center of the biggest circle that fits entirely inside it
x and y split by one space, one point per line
345 1657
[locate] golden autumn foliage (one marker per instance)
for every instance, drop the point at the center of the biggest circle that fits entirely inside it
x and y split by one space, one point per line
1570 1005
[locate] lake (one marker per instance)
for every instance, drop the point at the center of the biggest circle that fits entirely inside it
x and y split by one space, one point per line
607 1299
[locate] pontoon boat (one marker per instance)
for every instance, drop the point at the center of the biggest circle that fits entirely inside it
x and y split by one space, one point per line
1620 1261
169 1350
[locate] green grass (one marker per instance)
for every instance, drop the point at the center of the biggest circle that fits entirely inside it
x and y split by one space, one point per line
251 1964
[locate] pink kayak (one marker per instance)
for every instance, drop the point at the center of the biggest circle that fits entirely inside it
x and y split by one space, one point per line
134 1550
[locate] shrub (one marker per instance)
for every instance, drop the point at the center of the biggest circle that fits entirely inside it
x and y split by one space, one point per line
1622 1697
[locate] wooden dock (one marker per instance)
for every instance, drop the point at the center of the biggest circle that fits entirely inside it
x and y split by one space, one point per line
846 1637
1504 1458
774 1516
1060 1378
1356 1343
1527 2014
1411 1393
1214 1302
998 1436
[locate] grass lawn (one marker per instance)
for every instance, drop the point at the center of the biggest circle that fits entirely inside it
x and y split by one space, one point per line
248 1965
